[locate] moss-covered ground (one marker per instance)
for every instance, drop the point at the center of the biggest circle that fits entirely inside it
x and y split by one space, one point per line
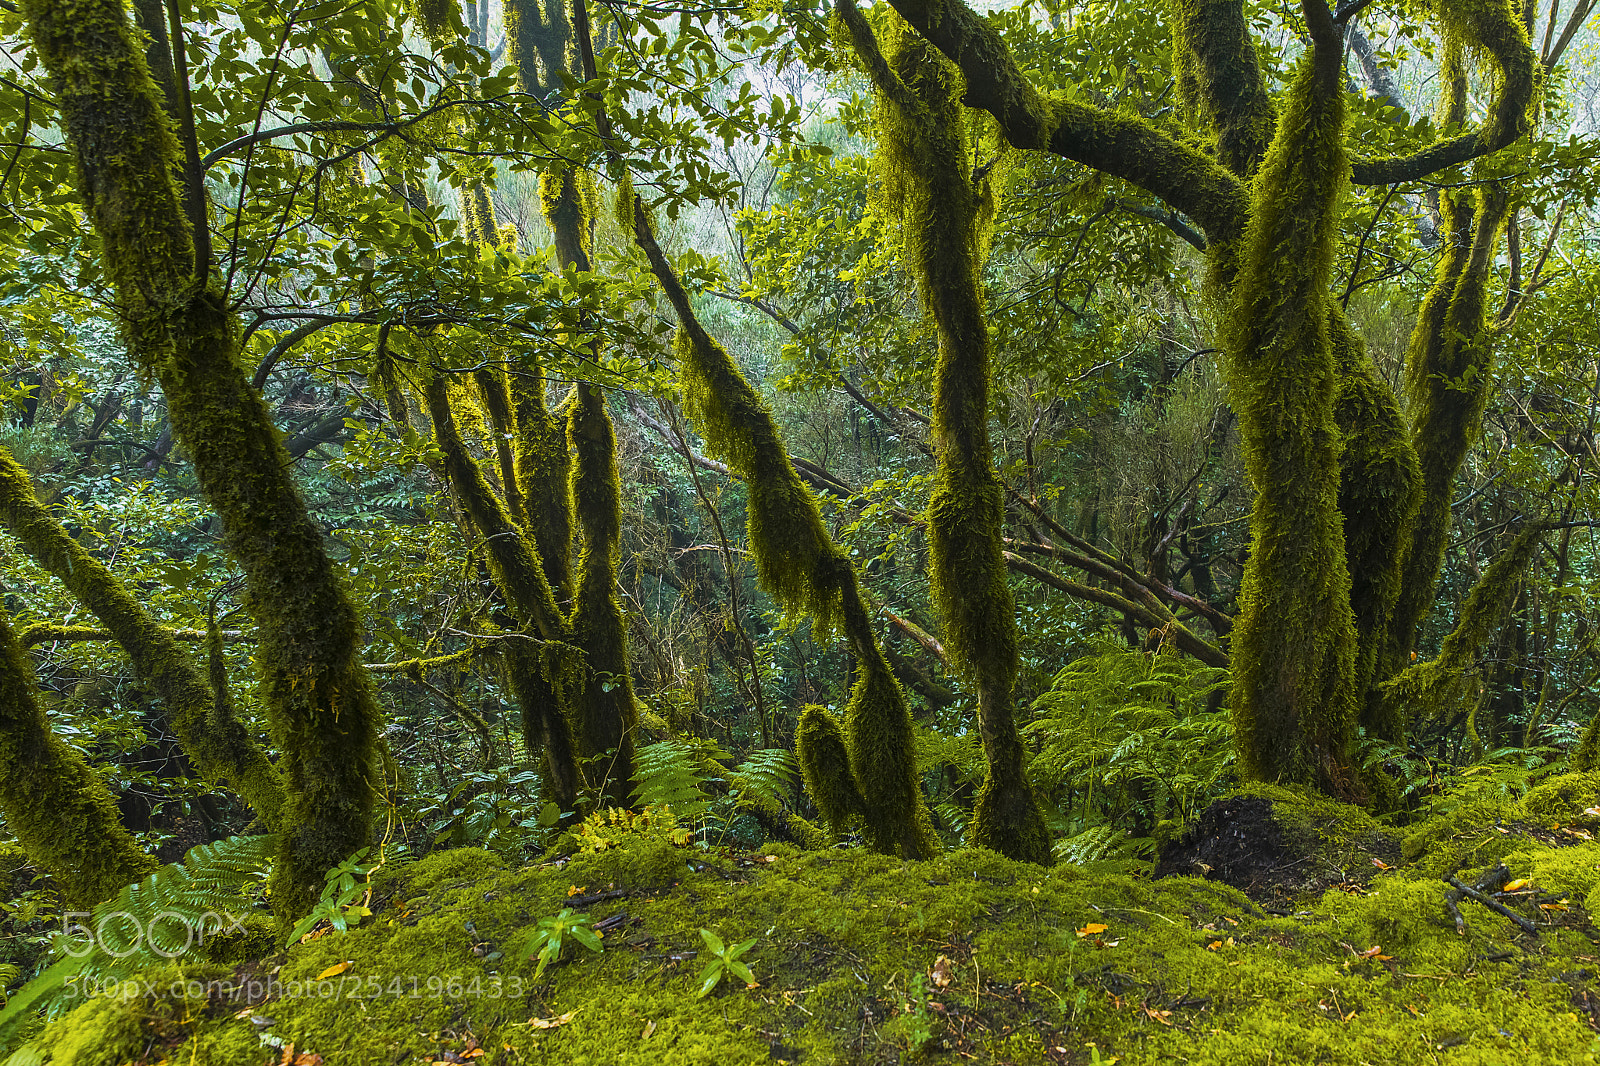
863 958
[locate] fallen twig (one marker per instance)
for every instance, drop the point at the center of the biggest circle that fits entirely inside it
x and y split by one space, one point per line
1492 881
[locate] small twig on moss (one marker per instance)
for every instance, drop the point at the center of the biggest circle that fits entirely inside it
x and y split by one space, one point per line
1492 881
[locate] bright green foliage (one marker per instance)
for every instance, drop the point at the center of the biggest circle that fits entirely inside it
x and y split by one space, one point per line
343 886
53 803
725 961
610 826
671 773
1294 705
1130 735
551 934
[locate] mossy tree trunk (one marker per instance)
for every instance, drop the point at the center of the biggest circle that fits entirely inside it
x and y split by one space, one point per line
1303 655
1294 700
923 153
317 695
54 804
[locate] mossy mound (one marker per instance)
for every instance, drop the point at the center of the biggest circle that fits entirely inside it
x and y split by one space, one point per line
1280 846
865 958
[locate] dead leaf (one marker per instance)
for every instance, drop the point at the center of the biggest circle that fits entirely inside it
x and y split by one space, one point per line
1592 812
1158 1015
766 858
1370 952
553 1023
1214 945
1518 885
649 1030
1380 864
1093 929
335 970
940 974
577 890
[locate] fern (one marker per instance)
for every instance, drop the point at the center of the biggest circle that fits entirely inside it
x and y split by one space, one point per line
1129 733
674 773
161 917
1106 849
765 780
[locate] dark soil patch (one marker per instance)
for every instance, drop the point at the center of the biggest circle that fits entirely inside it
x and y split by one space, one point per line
1239 841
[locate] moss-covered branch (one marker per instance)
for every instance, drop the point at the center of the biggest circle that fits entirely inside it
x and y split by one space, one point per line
53 803
1115 143
219 746
803 570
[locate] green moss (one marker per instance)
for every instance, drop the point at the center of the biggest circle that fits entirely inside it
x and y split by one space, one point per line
1564 798
841 937
824 757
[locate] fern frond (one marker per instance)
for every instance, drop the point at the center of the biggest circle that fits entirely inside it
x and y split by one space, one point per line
767 779
161 917
673 773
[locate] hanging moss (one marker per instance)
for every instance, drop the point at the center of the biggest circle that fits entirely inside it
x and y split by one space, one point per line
215 742
546 729
1293 703
316 693
1378 497
439 20
53 803
537 35
824 758
923 158
797 562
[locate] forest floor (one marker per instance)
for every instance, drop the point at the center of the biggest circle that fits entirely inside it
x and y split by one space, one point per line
1334 943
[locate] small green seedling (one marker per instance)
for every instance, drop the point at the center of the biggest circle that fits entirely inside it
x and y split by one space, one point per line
343 886
724 960
551 934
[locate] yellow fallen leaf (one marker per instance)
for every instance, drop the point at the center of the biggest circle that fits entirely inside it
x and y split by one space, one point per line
333 971
649 1029
1093 929
577 890
553 1023
1214 945
1370 952
1518 885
